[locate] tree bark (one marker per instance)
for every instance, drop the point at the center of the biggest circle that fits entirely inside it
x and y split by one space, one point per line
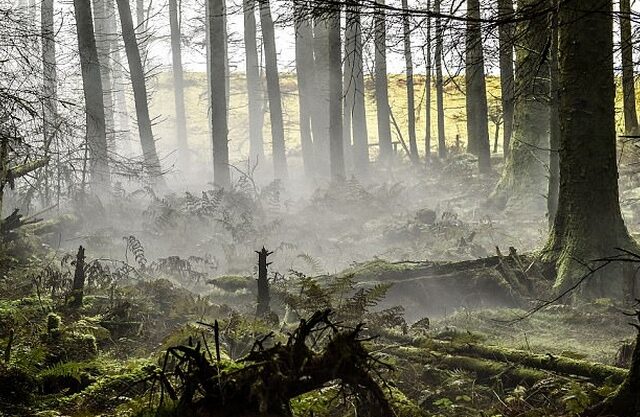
442 143
96 138
138 83
320 118
554 131
523 184
217 93
103 45
628 78
588 224
273 91
381 82
476 91
49 73
336 146
427 91
355 96
408 61
505 39
254 88
175 18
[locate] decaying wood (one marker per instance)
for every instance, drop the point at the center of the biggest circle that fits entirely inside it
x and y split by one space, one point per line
271 377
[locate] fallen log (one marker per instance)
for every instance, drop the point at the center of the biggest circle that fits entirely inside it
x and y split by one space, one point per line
488 359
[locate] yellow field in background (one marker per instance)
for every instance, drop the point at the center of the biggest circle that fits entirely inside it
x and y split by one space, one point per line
162 108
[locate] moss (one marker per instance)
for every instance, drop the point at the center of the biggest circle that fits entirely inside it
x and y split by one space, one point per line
233 283
379 270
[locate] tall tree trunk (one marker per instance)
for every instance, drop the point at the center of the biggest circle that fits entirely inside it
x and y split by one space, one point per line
217 93
427 91
336 147
505 39
123 135
175 17
348 88
554 129
442 143
628 79
476 97
408 60
49 74
381 82
103 44
320 118
588 224
306 77
273 91
96 137
138 83
523 184
254 88
356 99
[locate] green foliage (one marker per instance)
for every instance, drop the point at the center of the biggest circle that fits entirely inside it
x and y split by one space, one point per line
352 305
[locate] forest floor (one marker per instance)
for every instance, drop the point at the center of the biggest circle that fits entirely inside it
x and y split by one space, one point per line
443 281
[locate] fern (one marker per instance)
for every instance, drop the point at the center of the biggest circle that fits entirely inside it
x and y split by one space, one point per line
64 370
135 247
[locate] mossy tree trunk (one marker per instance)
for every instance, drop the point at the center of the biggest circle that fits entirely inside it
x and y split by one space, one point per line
588 224
554 131
476 91
523 185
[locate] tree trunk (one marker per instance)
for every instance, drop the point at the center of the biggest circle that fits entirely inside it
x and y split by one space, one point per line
49 73
138 83
356 99
96 138
523 184
120 101
476 89
254 88
554 130
408 60
588 224
427 91
381 82
442 143
505 39
336 147
217 94
273 91
348 87
628 78
320 118
104 57
50 120
175 17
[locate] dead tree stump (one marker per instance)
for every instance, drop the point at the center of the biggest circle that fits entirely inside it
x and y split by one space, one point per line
77 291
264 298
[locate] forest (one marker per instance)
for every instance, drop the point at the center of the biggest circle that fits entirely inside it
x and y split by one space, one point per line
307 208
